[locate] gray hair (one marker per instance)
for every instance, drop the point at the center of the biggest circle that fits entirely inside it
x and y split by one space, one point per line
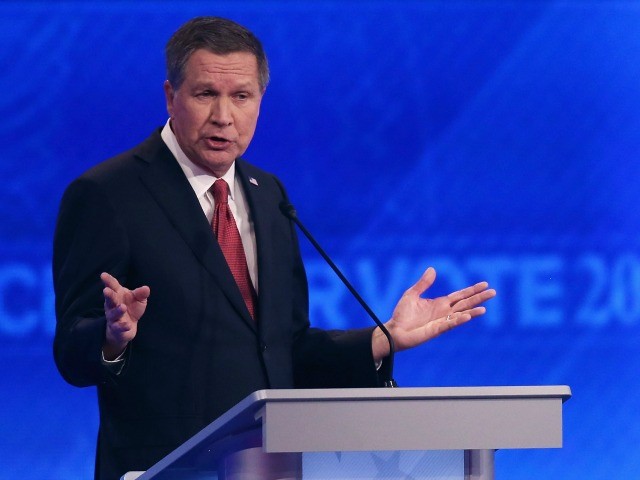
217 35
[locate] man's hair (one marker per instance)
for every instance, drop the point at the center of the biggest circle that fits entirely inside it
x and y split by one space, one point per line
217 35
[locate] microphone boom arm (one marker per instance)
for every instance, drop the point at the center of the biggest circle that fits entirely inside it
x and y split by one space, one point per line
289 211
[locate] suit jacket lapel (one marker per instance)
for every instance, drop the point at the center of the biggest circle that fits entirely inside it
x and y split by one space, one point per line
166 182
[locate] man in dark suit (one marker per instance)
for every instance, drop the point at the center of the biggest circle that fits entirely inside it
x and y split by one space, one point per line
205 299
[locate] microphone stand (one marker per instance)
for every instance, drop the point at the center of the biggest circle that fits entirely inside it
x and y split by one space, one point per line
290 212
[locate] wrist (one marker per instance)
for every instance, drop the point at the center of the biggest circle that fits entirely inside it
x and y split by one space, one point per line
379 345
112 350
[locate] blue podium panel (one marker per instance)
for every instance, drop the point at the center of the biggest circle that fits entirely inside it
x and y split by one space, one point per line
399 465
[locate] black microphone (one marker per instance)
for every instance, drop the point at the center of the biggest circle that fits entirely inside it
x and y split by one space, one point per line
290 212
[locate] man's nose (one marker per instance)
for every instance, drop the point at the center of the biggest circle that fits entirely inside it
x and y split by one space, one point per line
221 112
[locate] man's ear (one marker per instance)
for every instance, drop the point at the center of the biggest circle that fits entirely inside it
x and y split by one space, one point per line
168 95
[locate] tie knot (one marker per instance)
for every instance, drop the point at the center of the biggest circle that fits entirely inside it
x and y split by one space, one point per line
220 191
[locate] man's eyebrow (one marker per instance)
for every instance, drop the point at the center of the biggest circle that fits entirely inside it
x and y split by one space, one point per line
203 85
246 85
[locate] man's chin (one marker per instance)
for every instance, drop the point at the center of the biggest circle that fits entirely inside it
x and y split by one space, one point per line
218 164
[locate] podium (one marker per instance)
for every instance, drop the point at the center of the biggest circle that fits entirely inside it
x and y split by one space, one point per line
418 433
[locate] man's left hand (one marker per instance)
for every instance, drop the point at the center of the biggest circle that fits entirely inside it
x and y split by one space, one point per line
416 320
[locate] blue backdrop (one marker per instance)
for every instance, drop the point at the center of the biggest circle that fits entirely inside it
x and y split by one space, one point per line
492 140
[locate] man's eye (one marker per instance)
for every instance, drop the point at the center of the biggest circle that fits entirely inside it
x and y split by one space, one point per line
242 96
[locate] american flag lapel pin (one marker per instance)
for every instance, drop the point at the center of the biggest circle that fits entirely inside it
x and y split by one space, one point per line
253 180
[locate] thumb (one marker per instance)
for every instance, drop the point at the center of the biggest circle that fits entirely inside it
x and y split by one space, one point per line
425 281
141 294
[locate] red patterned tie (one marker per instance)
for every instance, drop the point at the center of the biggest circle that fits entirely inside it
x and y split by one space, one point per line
226 231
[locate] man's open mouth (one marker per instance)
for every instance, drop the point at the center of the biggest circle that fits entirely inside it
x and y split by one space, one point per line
217 142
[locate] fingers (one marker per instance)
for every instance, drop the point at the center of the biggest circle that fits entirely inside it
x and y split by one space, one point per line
467 292
110 298
114 293
114 309
458 318
470 297
428 278
119 323
123 309
475 312
119 332
110 290
110 281
474 300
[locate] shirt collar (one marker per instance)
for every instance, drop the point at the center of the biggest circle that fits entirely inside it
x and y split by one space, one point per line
201 180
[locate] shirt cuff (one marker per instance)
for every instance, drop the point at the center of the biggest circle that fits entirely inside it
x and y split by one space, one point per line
114 366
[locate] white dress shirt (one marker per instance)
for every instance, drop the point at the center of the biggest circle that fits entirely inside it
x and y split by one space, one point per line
201 181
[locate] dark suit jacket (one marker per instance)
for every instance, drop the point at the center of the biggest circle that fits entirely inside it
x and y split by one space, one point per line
197 351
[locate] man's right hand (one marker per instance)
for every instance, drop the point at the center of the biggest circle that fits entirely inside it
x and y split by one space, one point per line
122 308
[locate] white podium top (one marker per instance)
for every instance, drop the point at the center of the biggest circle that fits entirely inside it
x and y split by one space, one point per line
444 418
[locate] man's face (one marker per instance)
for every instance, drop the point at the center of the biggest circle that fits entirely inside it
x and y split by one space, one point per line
215 110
